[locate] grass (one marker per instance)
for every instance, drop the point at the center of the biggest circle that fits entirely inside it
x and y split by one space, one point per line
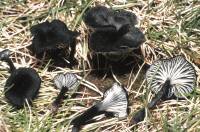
171 27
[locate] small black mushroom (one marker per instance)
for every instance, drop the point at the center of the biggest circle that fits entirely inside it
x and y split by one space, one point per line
115 101
23 83
168 79
53 37
64 82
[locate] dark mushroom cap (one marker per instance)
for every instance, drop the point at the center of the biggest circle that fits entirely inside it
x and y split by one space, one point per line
68 80
115 100
49 35
106 19
178 71
102 41
23 83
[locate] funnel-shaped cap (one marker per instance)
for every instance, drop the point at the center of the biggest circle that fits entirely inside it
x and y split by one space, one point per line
106 19
23 83
49 35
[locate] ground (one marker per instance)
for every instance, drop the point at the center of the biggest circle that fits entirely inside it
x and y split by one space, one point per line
171 27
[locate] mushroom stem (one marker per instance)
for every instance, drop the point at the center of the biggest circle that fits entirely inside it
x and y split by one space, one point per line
10 63
86 116
59 98
72 45
139 116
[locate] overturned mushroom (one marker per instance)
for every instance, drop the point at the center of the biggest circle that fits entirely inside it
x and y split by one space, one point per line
64 82
115 101
169 78
23 83
53 37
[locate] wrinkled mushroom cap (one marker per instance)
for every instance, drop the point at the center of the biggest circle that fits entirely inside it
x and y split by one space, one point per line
67 80
111 44
106 19
178 70
23 83
116 101
49 35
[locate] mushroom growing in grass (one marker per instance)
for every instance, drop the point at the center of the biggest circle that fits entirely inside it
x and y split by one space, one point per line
23 83
115 35
115 102
64 82
173 78
53 37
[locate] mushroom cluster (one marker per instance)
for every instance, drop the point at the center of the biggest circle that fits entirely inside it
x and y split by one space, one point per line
168 79
53 38
114 33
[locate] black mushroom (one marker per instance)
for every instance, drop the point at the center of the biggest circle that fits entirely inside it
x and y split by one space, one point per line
23 83
173 78
115 102
53 38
